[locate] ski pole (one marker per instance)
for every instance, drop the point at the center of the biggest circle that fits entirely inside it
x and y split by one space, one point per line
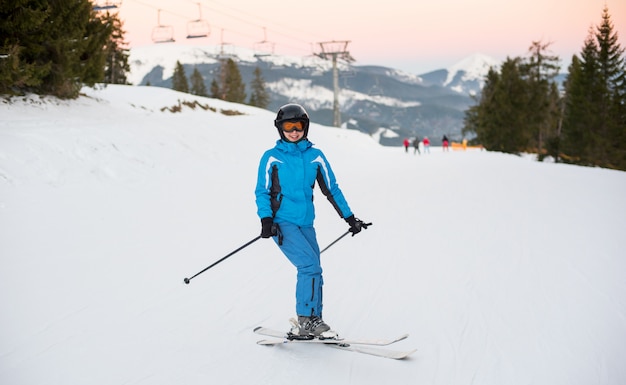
365 225
223 258
335 241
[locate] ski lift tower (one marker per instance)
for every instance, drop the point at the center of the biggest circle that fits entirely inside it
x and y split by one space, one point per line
335 50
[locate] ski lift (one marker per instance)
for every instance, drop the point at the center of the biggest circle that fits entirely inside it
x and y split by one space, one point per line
106 5
373 111
162 33
376 90
263 47
227 53
347 72
198 28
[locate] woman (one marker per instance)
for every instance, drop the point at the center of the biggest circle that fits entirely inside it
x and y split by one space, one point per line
284 199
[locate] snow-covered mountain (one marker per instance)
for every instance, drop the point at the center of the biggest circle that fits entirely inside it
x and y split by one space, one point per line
372 98
466 77
503 270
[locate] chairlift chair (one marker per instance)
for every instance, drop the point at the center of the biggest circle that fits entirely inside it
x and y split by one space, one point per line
376 90
226 51
263 47
106 5
162 33
349 72
198 28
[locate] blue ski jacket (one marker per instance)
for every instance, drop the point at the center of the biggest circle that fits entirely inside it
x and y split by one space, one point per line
286 177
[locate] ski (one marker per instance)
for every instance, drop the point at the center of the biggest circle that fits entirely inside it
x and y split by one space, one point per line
364 346
378 352
279 334
373 350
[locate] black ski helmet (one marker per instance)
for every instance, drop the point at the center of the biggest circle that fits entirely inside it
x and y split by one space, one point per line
294 113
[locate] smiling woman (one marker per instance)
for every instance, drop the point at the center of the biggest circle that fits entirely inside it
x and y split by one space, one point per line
287 175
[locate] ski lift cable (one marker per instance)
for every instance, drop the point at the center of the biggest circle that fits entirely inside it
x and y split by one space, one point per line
186 18
162 9
290 29
289 35
255 18
225 28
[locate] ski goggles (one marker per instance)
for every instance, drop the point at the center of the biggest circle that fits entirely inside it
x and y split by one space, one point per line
291 126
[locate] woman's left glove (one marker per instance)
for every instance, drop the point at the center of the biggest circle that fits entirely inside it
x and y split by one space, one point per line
356 225
267 227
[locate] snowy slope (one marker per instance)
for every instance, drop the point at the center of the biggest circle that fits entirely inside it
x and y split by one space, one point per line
503 270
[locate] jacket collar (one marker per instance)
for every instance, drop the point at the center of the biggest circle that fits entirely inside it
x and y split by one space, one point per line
289 147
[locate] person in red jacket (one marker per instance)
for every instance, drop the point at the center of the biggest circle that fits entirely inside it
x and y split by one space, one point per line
406 145
426 142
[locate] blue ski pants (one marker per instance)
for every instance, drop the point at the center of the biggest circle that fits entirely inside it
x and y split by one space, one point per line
301 248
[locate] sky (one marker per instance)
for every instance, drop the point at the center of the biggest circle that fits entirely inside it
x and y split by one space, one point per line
502 270
417 36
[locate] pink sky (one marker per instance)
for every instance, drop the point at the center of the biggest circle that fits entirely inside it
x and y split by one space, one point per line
417 36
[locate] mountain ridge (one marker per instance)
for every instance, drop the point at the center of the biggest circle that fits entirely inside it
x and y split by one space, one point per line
372 99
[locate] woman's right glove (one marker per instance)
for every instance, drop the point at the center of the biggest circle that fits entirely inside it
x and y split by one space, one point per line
267 227
356 224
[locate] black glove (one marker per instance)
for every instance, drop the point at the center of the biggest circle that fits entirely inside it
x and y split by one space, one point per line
356 224
267 227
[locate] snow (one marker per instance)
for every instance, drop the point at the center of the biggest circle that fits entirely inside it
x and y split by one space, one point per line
502 269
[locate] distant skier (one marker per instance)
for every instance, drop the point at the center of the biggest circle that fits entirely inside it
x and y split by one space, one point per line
284 198
406 145
426 142
445 143
416 145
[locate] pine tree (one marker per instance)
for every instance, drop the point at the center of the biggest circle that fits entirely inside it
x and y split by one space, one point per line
540 70
259 97
612 73
215 90
581 94
499 120
197 83
179 79
117 53
46 53
233 88
594 127
18 31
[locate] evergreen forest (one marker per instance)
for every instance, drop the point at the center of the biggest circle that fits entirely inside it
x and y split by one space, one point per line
56 47
522 109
